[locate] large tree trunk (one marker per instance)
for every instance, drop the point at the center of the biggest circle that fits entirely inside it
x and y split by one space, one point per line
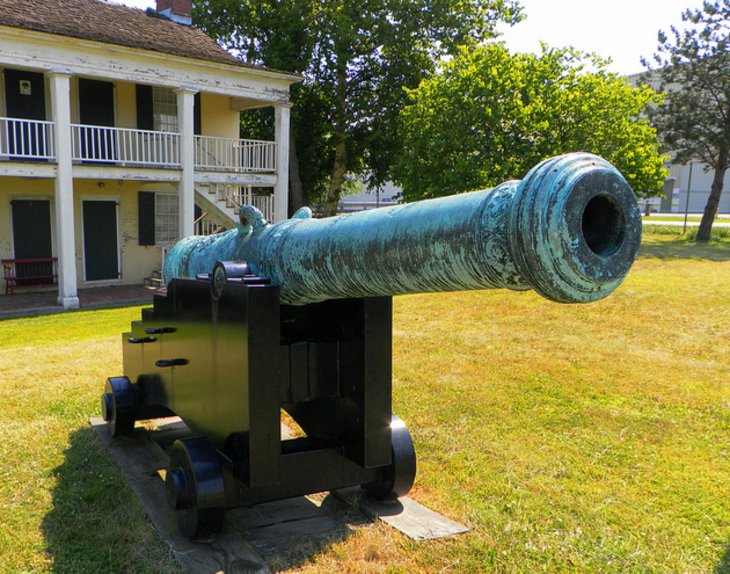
337 179
703 234
296 191
339 169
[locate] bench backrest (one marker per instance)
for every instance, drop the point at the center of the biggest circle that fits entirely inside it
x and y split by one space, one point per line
30 268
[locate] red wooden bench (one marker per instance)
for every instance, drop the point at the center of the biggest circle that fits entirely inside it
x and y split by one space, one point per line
29 273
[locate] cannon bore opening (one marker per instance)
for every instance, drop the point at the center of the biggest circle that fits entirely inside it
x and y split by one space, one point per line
603 225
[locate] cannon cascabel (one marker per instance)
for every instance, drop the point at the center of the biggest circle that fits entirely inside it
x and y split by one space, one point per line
570 230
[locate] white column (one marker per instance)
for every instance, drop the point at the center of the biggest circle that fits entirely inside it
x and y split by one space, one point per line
186 187
281 191
64 189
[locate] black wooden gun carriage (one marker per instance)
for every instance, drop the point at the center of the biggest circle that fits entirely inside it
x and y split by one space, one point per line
296 316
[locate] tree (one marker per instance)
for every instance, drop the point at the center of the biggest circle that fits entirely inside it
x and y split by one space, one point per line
694 121
490 116
356 57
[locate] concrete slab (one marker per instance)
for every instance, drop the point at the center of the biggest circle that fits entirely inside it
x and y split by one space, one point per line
140 458
288 530
412 519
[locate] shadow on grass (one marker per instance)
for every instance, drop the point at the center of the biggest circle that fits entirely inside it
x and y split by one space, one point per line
670 243
96 523
677 250
724 566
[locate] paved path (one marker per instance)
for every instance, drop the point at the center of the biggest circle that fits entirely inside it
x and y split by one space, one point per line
724 222
25 304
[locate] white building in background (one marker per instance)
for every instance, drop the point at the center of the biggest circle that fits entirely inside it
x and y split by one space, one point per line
682 186
389 194
685 189
119 133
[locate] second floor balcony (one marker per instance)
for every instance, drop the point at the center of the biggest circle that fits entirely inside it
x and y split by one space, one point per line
32 140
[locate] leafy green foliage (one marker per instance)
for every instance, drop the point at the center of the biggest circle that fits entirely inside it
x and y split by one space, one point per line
490 116
694 69
356 56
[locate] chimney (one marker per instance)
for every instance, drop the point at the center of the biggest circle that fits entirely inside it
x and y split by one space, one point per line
179 11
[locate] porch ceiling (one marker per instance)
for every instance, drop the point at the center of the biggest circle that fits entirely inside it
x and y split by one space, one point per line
242 104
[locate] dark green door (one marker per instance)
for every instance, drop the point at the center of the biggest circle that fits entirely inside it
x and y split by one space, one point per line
101 255
96 108
31 236
25 98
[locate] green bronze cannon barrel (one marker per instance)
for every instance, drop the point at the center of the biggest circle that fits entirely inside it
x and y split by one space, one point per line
570 230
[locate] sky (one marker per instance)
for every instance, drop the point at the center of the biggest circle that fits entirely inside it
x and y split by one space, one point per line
623 30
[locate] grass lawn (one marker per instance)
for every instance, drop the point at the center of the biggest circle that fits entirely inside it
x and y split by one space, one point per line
588 438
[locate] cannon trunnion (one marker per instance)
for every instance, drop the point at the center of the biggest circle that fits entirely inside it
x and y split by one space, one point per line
229 364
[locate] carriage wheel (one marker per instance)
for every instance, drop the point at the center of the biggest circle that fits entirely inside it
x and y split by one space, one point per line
195 488
117 405
398 477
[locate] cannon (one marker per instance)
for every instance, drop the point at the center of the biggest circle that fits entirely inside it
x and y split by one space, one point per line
296 317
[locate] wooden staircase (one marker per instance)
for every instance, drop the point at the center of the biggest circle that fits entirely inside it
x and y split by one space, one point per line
220 204
154 281
223 202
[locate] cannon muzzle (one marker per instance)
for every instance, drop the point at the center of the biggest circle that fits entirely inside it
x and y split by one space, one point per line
570 230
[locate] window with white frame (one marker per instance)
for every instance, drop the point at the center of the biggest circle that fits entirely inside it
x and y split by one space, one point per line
166 218
164 109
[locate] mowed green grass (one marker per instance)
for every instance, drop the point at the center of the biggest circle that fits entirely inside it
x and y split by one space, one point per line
591 438
63 503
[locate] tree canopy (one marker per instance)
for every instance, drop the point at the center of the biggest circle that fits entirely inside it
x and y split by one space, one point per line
490 116
356 57
693 68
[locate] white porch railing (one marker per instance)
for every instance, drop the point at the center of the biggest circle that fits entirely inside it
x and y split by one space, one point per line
125 146
264 202
206 226
226 154
33 140
231 197
26 139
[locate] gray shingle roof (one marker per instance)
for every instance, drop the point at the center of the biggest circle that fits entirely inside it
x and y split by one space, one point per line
113 24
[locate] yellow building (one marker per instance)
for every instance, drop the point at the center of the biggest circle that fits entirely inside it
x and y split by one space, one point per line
119 134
